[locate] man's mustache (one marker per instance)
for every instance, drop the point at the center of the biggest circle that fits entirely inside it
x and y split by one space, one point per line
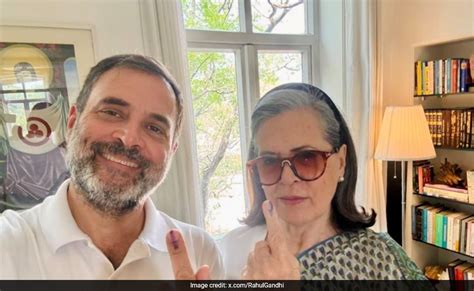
133 154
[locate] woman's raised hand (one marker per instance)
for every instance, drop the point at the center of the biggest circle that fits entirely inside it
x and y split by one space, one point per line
271 258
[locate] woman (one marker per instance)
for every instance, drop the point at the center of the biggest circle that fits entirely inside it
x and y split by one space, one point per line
302 160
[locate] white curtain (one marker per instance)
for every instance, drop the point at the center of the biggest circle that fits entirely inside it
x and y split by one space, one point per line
164 38
363 100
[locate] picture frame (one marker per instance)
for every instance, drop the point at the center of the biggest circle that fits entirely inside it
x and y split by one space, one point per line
42 69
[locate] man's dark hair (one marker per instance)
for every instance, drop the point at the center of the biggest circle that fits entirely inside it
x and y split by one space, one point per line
135 62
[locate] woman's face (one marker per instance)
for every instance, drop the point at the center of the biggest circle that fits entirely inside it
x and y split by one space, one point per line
299 202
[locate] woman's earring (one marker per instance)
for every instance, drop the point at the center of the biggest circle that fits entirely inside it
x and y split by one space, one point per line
341 179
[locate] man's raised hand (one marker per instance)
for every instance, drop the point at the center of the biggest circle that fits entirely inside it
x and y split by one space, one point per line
182 268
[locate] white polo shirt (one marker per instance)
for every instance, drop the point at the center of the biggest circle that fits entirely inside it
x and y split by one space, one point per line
45 242
236 247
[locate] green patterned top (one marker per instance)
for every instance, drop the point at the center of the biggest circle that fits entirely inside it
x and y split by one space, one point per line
358 255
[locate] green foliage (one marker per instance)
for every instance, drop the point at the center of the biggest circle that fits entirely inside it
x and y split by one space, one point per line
214 92
211 14
215 106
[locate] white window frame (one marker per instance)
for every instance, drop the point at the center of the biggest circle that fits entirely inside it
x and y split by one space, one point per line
246 45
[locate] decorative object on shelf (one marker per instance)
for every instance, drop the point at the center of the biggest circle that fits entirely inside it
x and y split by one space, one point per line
434 272
450 174
404 136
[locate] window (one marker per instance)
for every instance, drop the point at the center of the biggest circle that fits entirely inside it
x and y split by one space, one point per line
237 51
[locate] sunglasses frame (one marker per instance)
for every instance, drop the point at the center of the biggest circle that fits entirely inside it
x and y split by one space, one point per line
251 165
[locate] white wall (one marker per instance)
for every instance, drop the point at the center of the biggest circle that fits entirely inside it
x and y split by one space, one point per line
406 23
116 24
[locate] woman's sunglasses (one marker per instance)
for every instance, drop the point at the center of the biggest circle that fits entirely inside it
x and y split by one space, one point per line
308 165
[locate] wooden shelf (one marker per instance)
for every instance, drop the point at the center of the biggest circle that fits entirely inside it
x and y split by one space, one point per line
453 148
443 95
459 253
444 199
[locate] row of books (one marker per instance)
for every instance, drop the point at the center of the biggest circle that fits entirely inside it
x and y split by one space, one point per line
423 173
443 227
460 270
451 127
442 76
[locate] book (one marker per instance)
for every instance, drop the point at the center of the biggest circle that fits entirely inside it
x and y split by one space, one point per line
463 236
457 230
444 191
465 75
470 186
417 80
451 267
470 238
449 230
425 221
469 274
451 273
454 75
418 218
430 78
459 270
434 224
418 175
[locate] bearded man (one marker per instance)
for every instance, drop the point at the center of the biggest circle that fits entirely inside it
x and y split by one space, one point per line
101 223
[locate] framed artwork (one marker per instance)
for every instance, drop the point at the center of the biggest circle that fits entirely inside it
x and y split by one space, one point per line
41 69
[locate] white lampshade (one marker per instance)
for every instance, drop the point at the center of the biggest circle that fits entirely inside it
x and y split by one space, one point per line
404 135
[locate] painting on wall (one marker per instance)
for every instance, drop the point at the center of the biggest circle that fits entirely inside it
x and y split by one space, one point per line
35 82
38 80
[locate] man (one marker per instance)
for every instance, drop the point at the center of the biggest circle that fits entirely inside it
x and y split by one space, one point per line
101 224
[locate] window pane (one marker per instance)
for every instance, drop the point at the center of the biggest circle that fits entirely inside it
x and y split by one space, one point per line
278 16
275 68
38 84
211 14
37 95
19 110
14 96
214 90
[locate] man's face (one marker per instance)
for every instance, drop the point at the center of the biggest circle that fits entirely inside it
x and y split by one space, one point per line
120 146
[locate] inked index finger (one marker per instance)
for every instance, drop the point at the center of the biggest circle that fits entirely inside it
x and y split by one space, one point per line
182 268
275 235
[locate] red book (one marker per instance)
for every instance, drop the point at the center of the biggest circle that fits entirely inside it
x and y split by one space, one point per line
459 270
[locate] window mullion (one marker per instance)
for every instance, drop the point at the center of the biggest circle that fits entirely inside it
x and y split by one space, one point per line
248 85
246 16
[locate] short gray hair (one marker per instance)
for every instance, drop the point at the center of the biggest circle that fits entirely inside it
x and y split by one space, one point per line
279 101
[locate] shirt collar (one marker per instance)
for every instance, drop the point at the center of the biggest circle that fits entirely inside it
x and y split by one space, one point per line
155 229
57 222
60 228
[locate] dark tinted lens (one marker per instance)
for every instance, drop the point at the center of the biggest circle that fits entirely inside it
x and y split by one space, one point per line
309 164
268 169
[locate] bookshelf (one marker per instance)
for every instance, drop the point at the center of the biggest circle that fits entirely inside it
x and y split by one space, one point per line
435 199
421 252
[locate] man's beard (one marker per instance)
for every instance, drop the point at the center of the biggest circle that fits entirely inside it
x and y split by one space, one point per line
114 197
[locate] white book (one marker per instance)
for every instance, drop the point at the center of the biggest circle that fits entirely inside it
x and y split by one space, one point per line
470 238
450 235
470 184
457 230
